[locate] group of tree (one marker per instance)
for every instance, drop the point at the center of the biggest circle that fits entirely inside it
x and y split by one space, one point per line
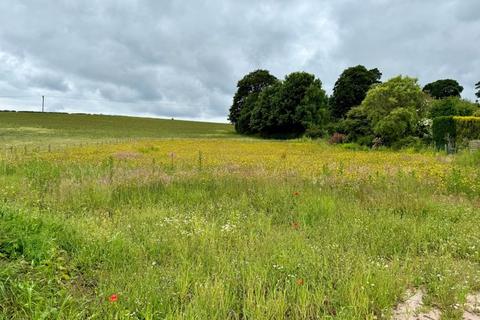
268 106
361 109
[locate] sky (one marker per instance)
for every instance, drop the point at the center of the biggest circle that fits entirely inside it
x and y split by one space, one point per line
182 59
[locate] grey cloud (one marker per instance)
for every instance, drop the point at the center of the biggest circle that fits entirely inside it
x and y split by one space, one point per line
182 59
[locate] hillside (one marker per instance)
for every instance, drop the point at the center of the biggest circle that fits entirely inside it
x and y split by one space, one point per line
36 127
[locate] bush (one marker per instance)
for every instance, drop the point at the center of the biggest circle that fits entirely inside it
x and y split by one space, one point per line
366 140
409 142
401 122
357 125
315 132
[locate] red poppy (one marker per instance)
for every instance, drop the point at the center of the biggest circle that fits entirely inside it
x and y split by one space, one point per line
296 193
295 225
300 282
113 298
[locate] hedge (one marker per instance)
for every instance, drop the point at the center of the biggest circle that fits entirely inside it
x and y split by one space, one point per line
443 128
467 128
459 130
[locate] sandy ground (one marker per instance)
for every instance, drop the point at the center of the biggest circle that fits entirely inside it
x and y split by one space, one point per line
413 309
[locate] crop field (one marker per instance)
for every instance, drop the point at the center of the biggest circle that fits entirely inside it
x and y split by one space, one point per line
190 221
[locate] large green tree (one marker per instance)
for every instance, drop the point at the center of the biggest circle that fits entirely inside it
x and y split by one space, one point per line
248 89
395 106
452 106
351 88
398 92
290 107
444 88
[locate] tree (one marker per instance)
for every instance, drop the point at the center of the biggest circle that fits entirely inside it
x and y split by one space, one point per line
298 104
398 92
394 108
357 126
351 88
290 107
452 106
443 88
262 119
477 86
252 83
398 124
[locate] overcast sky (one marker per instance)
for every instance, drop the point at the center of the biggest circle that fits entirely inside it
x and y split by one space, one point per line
182 59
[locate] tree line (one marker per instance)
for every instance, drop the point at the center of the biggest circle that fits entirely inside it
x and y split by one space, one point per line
362 108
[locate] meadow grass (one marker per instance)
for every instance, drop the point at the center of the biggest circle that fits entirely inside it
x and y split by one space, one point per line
235 229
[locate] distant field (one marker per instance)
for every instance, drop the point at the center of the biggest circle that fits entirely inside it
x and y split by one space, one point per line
30 127
205 227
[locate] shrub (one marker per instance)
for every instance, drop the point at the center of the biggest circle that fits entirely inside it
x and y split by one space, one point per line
409 142
400 123
315 132
357 126
367 140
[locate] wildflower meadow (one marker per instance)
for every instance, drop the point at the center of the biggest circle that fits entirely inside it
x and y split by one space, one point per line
234 228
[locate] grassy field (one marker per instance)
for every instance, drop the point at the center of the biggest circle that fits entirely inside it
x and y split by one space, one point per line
64 129
205 227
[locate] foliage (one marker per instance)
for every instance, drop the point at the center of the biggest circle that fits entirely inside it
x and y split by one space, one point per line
409 142
399 123
358 126
452 106
398 92
244 119
391 111
290 107
351 88
466 128
443 88
252 83
458 130
443 130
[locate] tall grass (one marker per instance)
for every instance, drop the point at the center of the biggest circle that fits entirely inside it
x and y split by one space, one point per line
233 240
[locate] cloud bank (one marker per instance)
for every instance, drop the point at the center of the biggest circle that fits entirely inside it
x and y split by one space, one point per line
183 59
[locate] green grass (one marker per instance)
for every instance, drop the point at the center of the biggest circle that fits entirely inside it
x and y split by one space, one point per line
225 241
58 128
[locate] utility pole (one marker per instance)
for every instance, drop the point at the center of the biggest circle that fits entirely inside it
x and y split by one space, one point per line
43 103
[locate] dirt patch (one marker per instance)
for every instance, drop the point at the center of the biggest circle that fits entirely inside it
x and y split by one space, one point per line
472 307
413 309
